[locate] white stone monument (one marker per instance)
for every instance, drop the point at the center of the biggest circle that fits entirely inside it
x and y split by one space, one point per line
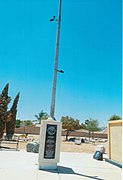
50 140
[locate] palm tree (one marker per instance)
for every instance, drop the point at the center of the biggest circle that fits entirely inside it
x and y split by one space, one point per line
41 116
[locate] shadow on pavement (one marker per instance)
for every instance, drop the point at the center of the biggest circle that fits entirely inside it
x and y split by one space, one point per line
66 170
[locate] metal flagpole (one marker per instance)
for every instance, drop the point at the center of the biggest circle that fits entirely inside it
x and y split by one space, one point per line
52 110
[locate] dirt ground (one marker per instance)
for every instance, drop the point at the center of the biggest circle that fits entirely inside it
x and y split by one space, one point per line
65 145
69 146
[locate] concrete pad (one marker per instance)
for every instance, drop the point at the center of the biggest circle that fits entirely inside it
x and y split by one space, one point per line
17 165
83 166
47 174
22 165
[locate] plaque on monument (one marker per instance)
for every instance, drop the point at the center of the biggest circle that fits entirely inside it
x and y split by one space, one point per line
50 141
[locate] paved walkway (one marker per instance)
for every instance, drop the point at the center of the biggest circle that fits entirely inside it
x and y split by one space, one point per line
21 165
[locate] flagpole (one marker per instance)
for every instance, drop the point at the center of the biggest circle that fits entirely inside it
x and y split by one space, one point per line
52 109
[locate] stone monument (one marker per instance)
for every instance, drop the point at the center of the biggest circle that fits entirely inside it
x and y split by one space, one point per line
50 139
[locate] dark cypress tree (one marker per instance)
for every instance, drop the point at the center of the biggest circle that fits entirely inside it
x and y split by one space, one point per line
4 101
11 119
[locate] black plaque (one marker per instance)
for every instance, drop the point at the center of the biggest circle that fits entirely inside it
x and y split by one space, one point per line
50 141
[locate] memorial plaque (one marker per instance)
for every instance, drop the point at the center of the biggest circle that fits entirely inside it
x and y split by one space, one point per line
50 141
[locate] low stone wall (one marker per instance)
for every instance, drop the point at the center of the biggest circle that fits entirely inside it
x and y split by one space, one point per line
28 130
86 134
36 131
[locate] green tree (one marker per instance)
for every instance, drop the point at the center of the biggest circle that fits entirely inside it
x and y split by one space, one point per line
115 117
11 118
18 123
92 126
4 101
27 123
41 116
69 124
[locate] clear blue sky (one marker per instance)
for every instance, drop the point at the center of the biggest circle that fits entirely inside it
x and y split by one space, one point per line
90 55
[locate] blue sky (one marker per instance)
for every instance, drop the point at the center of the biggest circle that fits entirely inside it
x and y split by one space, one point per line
90 55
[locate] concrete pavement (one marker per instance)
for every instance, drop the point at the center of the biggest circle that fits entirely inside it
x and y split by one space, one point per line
22 165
